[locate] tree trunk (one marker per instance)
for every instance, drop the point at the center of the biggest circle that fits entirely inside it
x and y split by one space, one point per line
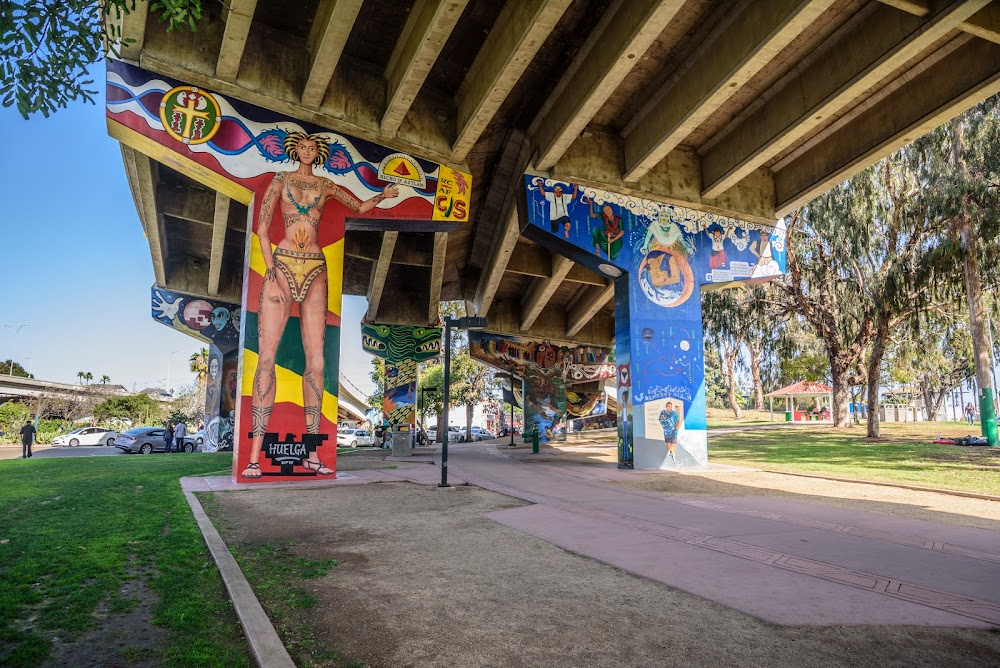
874 367
469 409
841 393
758 385
442 427
730 372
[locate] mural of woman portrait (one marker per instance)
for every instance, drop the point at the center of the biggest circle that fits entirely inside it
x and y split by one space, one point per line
296 273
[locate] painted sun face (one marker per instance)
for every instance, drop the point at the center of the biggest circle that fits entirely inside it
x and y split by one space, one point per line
307 150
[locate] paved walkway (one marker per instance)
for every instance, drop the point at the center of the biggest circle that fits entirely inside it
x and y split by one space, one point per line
784 561
787 562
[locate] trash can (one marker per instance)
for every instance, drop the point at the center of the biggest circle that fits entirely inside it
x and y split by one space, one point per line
788 416
402 438
534 441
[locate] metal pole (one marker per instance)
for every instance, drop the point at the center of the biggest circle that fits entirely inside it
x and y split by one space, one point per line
512 409
444 408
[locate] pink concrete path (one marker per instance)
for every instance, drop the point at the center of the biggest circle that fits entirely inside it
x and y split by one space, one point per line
784 561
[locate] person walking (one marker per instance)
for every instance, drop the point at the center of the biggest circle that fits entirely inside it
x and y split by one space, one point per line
168 436
27 439
179 432
970 413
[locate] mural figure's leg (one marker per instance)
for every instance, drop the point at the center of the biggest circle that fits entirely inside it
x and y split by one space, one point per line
312 313
275 306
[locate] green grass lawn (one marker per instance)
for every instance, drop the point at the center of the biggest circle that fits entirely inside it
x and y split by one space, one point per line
75 529
904 454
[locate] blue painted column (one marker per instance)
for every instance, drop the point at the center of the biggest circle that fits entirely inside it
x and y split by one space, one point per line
661 258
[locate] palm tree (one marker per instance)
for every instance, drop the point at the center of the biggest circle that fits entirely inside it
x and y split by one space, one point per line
88 377
105 379
199 365
80 375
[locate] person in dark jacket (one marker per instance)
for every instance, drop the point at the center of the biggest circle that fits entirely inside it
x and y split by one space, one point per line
27 439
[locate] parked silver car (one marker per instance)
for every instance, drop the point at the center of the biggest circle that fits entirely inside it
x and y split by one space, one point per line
145 440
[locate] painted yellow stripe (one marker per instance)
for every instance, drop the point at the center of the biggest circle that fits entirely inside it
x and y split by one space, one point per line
181 163
289 386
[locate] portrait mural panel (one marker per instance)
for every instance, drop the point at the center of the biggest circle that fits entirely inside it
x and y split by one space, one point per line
304 187
660 257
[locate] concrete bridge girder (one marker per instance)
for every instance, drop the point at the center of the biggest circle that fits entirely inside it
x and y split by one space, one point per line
740 109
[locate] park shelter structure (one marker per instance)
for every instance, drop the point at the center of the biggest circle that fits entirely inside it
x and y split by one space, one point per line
804 389
679 133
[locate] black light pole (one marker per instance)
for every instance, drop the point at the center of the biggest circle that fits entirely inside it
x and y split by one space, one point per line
512 409
468 322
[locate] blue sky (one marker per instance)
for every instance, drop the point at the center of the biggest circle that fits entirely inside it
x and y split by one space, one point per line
75 266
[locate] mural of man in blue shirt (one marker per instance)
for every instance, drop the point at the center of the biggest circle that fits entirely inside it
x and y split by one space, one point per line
668 420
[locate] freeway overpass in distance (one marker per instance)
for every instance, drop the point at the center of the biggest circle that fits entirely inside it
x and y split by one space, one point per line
17 387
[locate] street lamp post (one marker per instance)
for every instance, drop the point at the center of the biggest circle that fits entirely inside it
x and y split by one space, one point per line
469 323
512 409
170 361
17 330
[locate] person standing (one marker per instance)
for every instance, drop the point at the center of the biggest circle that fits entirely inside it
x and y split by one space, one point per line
27 439
168 436
179 432
668 420
970 413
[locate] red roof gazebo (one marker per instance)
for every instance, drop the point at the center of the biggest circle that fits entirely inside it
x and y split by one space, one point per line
802 389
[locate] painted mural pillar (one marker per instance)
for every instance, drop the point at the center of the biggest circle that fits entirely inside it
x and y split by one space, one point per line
545 366
402 347
303 186
661 258
217 324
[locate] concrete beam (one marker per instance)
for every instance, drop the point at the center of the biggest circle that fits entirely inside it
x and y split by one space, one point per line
510 192
984 24
596 161
517 35
139 170
534 260
427 29
588 306
355 110
193 205
542 290
134 28
956 83
437 276
747 44
327 38
238 15
505 318
376 283
219 226
627 35
876 48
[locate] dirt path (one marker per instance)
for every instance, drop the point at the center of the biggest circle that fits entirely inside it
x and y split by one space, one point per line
424 580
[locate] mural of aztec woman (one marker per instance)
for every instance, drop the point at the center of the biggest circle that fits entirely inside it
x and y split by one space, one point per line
304 186
296 272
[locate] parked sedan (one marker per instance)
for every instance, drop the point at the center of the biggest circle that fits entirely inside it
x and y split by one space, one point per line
352 438
87 436
480 434
149 439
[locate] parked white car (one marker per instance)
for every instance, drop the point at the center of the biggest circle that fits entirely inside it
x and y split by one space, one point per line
87 436
352 438
455 434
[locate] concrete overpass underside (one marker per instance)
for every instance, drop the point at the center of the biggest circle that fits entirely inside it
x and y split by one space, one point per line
746 109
